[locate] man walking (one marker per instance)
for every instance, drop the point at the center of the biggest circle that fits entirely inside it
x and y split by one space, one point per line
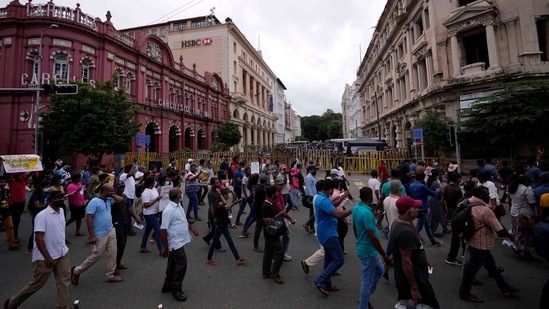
368 247
49 255
120 212
310 186
102 234
411 265
174 232
327 215
478 252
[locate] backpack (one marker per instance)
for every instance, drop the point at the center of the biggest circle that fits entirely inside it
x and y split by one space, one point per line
462 220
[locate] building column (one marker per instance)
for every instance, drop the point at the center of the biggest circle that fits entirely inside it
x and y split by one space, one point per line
512 41
492 49
429 69
241 144
255 142
248 135
260 142
454 46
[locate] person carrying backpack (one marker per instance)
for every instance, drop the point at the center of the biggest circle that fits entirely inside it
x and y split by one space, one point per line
479 245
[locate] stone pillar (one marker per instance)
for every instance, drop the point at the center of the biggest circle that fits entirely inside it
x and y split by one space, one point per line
241 144
492 48
255 142
248 135
454 46
260 142
429 69
512 41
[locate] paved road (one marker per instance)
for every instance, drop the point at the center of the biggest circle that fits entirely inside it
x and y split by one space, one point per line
230 286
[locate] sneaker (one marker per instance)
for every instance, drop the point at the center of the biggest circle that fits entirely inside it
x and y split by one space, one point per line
453 262
287 258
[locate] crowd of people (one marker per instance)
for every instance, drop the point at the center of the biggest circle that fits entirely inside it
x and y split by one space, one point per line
399 203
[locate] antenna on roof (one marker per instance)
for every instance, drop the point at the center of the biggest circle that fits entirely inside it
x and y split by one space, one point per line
258 42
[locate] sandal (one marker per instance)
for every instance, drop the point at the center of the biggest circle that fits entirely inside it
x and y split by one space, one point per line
322 290
144 250
472 298
335 288
510 291
211 262
241 261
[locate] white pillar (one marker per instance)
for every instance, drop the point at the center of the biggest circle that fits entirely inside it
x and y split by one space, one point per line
454 46
492 49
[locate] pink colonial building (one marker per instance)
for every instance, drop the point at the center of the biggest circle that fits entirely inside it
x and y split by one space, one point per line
178 107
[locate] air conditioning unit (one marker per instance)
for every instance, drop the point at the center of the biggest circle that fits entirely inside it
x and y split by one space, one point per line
187 109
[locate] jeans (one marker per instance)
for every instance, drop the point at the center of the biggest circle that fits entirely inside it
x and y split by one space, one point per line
257 232
151 224
193 203
176 270
424 221
121 239
210 235
222 229
294 193
333 260
249 220
242 205
454 246
474 260
129 220
372 269
273 251
285 242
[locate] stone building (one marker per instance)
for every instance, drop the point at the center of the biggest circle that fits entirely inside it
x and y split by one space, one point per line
441 55
76 46
220 47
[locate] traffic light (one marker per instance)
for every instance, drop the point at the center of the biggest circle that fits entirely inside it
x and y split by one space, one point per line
60 89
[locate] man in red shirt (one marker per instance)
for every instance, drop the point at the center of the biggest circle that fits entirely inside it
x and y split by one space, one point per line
18 197
382 172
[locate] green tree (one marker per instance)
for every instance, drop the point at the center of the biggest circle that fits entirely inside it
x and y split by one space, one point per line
228 134
98 120
327 126
508 119
435 131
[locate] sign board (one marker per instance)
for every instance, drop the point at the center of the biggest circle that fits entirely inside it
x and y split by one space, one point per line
142 139
21 163
417 133
255 167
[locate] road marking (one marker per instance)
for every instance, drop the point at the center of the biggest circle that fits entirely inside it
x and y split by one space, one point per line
359 184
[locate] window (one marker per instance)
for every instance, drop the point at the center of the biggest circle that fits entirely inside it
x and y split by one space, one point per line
146 31
118 79
418 29
476 48
234 47
179 26
128 86
85 71
61 68
131 34
542 26
163 32
36 67
426 18
235 66
155 91
153 31
465 2
198 23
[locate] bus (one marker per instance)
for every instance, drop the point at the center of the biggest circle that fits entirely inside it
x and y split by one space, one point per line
338 145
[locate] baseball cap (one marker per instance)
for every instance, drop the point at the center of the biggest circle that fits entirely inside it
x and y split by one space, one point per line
120 184
190 160
452 167
405 202
311 161
282 166
55 194
334 172
279 181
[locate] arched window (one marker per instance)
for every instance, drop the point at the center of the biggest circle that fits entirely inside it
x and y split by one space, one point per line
85 71
129 80
118 79
156 86
61 68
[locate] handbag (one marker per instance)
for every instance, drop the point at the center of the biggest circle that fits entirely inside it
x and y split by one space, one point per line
276 226
525 221
499 210
307 201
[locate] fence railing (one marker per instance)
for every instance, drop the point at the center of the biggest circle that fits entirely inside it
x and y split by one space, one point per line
325 159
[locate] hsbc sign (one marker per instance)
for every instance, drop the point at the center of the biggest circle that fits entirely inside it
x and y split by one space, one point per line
196 43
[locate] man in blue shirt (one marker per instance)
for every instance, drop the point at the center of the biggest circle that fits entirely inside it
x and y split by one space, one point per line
310 190
326 216
102 234
419 191
368 247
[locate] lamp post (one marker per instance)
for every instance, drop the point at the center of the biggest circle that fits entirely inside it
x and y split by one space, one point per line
38 89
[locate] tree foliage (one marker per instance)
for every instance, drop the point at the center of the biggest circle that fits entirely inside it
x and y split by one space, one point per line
228 134
96 121
327 126
435 131
508 119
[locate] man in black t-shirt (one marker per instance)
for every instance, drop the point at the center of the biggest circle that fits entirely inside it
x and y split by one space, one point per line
411 265
259 199
213 199
119 213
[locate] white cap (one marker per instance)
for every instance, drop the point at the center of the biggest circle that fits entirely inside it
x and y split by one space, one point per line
334 172
190 160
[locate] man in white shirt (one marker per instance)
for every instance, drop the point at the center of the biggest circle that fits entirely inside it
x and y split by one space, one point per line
49 255
174 232
374 184
128 177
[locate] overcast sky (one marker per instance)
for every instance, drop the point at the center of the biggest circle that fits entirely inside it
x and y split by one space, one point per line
313 46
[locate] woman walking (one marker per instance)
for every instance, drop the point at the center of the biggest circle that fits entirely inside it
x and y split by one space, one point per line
523 203
150 198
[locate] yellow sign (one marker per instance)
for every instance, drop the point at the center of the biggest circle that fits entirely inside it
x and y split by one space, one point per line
21 163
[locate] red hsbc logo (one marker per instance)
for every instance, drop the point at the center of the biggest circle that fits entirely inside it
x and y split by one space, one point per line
207 41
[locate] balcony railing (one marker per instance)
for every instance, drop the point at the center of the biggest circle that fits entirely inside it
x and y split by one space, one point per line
60 12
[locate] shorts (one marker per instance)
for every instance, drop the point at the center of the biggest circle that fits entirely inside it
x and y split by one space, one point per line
77 212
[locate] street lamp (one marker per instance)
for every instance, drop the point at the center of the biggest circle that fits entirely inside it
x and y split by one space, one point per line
38 89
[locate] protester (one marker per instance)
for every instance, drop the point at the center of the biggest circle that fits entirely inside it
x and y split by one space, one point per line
75 193
151 199
523 203
5 214
49 255
175 235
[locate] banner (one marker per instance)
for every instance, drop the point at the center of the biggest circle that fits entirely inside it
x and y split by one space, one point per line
21 163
